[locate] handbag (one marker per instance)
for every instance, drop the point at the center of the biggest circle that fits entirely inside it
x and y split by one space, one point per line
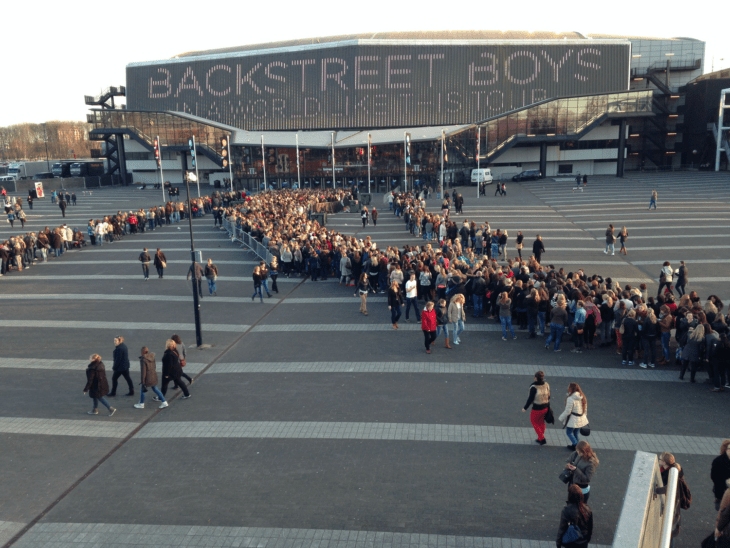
585 430
566 475
182 362
572 534
549 416
164 264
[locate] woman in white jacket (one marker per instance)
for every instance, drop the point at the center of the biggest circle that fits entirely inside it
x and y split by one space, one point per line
575 415
665 278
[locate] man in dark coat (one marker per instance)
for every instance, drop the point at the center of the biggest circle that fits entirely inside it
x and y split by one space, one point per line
121 366
537 248
62 205
197 272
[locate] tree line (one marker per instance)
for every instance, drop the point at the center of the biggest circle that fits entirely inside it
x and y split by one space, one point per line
28 141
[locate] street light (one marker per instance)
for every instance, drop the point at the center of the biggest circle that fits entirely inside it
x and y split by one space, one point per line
196 303
45 139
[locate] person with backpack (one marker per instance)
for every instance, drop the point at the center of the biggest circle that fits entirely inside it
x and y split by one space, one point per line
576 521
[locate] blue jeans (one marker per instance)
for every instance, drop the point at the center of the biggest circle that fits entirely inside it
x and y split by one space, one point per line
609 246
556 334
152 223
211 285
102 400
257 291
572 434
444 328
495 251
506 323
541 319
266 286
412 301
155 390
478 305
531 322
394 314
652 203
457 329
57 252
665 344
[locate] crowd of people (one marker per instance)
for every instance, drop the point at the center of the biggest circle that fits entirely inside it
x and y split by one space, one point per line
464 266
29 248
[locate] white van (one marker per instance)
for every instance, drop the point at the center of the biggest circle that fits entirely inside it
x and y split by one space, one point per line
482 175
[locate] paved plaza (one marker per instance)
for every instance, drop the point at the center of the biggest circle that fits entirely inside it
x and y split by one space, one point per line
313 426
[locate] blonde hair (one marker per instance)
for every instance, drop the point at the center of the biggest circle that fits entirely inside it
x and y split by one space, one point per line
170 344
697 334
96 357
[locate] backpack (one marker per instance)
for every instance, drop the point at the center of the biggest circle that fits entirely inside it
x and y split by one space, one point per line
685 497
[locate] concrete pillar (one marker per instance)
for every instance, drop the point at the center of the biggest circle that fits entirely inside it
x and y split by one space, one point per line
122 158
543 159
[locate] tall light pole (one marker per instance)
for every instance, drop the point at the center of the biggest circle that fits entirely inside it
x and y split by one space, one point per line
45 139
263 160
479 171
443 148
196 302
299 176
334 181
370 160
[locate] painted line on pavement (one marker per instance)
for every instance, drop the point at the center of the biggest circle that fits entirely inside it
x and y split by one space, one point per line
90 428
63 365
448 433
127 326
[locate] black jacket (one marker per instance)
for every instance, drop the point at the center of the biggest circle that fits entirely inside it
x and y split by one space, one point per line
631 328
720 472
537 247
121 358
571 514
171 366
96 383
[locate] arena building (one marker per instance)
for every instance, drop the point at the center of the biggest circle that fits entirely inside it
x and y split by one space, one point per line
406 108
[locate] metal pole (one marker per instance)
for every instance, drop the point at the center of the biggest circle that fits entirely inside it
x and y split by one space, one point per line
230 162
479 171
197 182
162 177
196 302
334 181
369 162
263 160
299 177
443 145
405 164
45 139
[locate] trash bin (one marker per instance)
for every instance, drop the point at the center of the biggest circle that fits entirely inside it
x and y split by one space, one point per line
365 198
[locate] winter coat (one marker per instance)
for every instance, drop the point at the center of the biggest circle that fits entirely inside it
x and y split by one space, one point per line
428 320
691 350
96 383
571 514
442 315
456 313
171 365
148 369
584 469
719 473
121 358
574 404
159 259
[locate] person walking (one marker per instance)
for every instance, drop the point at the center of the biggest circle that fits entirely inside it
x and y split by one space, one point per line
62 205
576 521
457 316
538 248
160 263
652 202
518 243
374 216
145 259
442 320
364 216
196 271
682 278
274 273
622 237
172 370
264 272
429 325
665 278
257 283
211 274
395 299
720 472
610 239
362 290
582 463
183 355
148 371
666 463
412 297
121 367
97 385
574 416
579 324
539 398
505 315
691 352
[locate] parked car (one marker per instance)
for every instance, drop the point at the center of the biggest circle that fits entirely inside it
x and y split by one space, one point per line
529 175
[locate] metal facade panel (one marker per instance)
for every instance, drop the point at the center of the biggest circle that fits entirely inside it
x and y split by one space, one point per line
377 86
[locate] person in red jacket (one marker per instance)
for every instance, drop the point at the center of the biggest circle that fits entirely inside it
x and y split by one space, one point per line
428 324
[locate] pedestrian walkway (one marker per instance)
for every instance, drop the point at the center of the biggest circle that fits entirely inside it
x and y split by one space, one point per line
89 428
120 326
72 365
442 433
86 535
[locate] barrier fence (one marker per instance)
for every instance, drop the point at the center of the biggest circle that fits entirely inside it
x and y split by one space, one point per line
236 234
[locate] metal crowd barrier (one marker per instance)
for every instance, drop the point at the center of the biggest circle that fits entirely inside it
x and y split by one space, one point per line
236 234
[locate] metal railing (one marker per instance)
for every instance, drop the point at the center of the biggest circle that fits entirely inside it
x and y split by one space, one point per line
236 234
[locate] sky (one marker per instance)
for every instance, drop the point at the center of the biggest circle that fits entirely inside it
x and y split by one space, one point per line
75 48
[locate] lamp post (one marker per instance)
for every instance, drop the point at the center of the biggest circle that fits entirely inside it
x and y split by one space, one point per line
196 302
45 139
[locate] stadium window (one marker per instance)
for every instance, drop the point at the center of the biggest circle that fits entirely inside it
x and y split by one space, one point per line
565 169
